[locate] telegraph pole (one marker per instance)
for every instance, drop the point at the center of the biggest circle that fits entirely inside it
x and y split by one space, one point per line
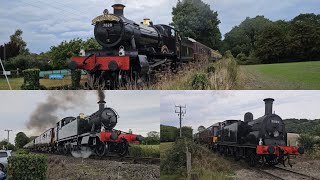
8 130
182 110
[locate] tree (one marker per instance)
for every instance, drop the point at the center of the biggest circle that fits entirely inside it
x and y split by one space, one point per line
242 38
305 36
201 128
271 43
186 132
21 140
153 137
195 19
168 133
6 145
65 50
16 38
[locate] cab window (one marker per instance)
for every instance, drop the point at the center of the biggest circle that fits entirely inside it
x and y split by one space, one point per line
3 154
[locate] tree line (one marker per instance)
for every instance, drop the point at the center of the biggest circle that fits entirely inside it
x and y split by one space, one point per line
171 133
255 40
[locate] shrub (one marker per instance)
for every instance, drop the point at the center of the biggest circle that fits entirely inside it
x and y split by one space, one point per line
200 81
211 68
241 57
31 79
228 54
22 151
307 141
75 78
25 166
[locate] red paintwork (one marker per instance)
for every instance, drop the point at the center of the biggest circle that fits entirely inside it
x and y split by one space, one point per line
122 61
131 138
289 150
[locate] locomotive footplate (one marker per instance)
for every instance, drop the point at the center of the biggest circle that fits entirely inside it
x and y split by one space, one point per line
112 63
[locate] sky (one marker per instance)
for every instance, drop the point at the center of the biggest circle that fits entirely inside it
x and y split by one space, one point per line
209 107
46 23
138 110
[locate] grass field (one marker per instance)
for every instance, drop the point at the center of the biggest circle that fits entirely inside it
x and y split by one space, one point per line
300 75
17 82
145 151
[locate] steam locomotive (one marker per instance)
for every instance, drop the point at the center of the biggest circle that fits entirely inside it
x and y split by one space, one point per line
256 140
95 132
134 52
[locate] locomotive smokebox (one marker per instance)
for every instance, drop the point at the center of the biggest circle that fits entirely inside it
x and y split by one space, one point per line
268 105
101 105
118 9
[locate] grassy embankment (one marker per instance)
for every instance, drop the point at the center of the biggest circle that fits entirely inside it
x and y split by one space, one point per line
300 75
220 75
205 164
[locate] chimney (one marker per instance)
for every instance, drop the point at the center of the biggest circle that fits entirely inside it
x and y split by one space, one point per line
118 9
268 105
101 105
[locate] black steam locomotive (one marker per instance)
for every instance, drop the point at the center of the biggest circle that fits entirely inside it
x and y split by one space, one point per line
262 139
94 132
133 52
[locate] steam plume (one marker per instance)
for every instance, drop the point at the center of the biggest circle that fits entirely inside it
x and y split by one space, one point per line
45 115
101 95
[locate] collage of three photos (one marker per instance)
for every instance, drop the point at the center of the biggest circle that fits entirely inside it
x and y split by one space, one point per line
168 89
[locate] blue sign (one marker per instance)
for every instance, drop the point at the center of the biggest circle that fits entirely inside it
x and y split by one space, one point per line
56 76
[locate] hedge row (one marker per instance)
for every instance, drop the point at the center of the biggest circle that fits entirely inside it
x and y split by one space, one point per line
25 166
31 79
75 78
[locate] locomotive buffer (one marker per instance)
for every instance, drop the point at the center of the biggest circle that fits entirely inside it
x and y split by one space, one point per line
181 113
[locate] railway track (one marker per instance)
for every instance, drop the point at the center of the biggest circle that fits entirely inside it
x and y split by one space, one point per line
285 174
128 159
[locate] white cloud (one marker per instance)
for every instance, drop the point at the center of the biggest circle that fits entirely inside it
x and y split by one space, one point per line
57 18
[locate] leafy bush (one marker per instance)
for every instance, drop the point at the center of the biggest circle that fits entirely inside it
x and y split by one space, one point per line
145 151
307 141
211 68
200 81
228 54
241 57
25 166
75 78
31 79
22 151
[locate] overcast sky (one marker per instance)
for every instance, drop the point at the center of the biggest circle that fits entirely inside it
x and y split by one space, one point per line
138 110
48 22
208 107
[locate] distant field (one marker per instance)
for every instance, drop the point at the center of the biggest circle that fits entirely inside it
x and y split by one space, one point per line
17 82
164 147
301 75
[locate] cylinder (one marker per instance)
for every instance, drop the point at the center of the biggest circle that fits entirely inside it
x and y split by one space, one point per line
268 105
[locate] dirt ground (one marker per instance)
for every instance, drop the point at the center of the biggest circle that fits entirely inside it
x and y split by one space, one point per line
70 168
301 165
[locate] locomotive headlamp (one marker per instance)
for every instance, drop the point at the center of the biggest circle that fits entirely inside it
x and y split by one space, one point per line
276 133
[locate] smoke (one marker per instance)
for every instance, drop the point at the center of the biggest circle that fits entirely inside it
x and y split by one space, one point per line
45 115
85 152
101 95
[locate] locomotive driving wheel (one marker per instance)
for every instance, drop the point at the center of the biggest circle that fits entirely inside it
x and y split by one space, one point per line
252 159
101 149
123 148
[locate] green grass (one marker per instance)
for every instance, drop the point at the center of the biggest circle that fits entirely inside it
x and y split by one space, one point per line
300 75
164 147
17 82
145 150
